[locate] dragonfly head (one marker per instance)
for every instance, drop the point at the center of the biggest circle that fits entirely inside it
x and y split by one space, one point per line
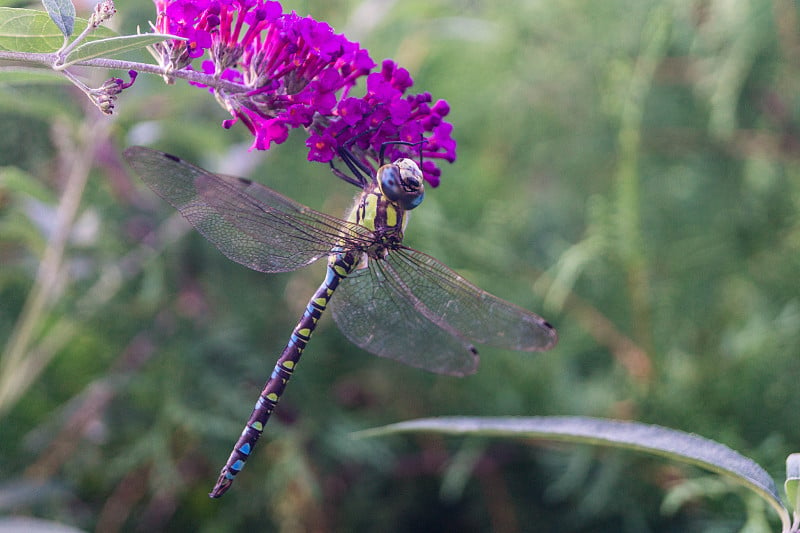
401 182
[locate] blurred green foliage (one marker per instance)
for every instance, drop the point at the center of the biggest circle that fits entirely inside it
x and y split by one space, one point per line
627 168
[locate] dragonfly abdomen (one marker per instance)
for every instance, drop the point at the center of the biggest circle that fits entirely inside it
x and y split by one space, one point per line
340 266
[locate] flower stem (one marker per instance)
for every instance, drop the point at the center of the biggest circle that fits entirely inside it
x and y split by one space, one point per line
51 60
14 363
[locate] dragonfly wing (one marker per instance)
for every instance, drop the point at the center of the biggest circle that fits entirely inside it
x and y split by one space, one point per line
251 224
377 315
456 304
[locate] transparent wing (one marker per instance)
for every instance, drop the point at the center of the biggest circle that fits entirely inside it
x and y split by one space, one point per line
474 313
249 223
411 308
377 315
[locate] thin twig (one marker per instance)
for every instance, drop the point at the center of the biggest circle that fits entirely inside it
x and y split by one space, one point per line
40 299
50 60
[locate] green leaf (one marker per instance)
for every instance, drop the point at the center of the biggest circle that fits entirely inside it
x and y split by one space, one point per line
22 75
685 447
114 46
25 30
28 30
792 480
20 182
63 14
35 525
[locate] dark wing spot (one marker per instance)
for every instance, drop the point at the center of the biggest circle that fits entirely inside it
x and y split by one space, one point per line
174 158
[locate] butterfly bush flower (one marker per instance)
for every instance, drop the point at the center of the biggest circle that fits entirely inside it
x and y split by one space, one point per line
289 71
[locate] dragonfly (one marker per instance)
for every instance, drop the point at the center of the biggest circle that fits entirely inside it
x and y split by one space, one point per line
391 300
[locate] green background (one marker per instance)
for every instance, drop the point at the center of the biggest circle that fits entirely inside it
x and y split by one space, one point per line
627 169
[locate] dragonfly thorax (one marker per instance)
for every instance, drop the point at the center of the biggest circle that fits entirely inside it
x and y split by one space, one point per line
401 182
382 206
385 218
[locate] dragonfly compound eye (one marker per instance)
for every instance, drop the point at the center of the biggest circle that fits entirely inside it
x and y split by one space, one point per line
401 182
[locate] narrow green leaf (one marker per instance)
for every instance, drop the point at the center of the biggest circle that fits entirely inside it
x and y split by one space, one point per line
22 75
792 480
114 46
20 182
42 105
28 30
63 14
685 447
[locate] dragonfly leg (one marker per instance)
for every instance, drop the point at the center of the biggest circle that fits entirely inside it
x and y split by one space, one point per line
360 183
382 159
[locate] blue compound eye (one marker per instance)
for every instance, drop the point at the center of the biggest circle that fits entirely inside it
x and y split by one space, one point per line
390 182
401 182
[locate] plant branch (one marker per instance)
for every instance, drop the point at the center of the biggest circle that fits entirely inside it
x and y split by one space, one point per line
15 354
51 61
111 280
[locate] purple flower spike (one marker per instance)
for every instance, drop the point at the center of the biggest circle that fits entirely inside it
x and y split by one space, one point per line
296 72
105 96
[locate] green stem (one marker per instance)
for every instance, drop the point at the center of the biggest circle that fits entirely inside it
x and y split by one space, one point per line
631 249
51 61
92 302
40 299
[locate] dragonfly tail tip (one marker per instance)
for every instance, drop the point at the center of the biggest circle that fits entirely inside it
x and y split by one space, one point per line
220 488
